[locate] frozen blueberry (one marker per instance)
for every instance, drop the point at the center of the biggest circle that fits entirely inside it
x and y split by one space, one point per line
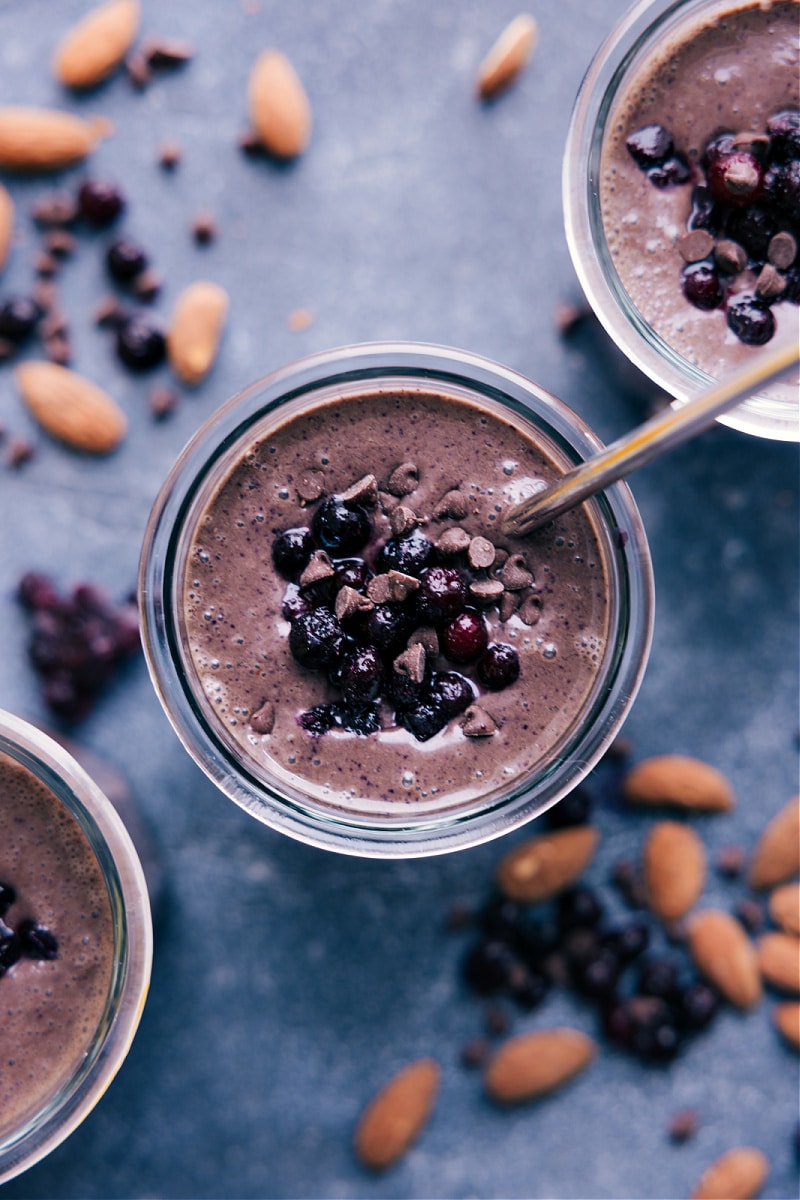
704 213
784 129
442 593
464 638
782 188
702 286
659 977
698 1004
498 667
574 809
361 675
410 554
753 228
140 346
649 145
673 172
598 974
352 572
18 317
37 941
424 720
316 639
628 941
125 259
451 692
578 907
100 202
528 987
340 528
291 551
385 626
487 966
750 319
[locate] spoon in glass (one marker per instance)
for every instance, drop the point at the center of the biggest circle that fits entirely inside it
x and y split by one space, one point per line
633 450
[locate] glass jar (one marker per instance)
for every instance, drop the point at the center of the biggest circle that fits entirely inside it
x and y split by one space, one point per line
36 765
649 32
270 793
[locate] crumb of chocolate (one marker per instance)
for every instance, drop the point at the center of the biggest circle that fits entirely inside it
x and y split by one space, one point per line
453 505
300 319
44 294
55 209
163 402
58 349
730 861
263 720
453 541
59 243
170 155
403 480
204 228
53 324
683 1125
310 486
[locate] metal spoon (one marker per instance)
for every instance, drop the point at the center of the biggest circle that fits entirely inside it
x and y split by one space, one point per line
663 431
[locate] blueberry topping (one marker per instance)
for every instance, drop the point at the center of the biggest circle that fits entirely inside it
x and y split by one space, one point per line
784 130
451 692
702 286
751 320
442 593
361 675
598 975
424 720
650 145
360 719
628 941
488 966
782 186
291 551
340 528
672 172
752 228
316 639
498 667
37 942
704 212
578 907
385 627
140 345
18 318
410 554
352 572
698 1004
100 202
464 638
659 977
125 260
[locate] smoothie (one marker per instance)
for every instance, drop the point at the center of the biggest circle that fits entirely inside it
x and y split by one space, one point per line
736 73
56 946
427 477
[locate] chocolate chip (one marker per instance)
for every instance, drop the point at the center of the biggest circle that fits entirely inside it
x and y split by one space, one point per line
402 520
770 283
480 553
403 480
453 541
20 451
169 155
310 486
58 349
486 591
263 720
751 915
478 723
55 209
54 324
453 505
730 256
569 317
782 250
530 609
427 637
319 567
683 1125
695 245
515 574
138 70
167 52
45 264
44 294
730 861
401 585
147 285
110 313
509 603
204 228
379 589
349 602
59 242
363 491
411 663
163 402
475 1053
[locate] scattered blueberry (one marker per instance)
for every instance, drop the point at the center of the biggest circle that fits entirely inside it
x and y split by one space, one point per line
352 572
702 286
672 172
650 145
410 554
140 345
424 720
316 639
384 627
442 593
784 130
578 907
36 941
125 260
291 551
18 318
498 667
100 202
751 320
574 809
361 675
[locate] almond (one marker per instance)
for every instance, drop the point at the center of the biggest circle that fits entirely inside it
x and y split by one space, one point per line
508 56
787 1022
674 869
779 960
736 1175
397 1114
45 139
97 44
776 857
543 866
6 224
784 907
70 407
533 1064
723 953
195 330
279 107
679 781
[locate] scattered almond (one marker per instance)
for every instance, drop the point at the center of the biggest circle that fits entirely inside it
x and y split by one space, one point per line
45 139
195 330
543 866
779 960
776 857
674 869
787 1022
784 907
279 107
676 779
533 1064
6 224
397 1114
723 953
736 1175
97 44
508 56
70 407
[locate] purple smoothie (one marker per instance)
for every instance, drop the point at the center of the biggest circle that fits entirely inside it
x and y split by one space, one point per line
237 634
50 1010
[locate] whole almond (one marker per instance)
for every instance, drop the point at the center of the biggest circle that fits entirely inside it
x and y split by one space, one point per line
736 1175
779 960
97 44
397 1114
787 1022
195 330
6 224
279 107
543 866
45 139
679 781
784 907
71 408
508 56
674 869
533 1064
723 953
776 857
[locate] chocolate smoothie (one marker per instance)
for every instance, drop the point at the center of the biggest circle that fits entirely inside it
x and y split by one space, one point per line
54 994
455 467
733 73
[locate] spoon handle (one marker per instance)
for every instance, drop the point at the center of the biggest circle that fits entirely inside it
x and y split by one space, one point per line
633 450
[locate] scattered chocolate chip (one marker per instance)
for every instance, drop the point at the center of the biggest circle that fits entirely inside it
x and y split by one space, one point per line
45 265
167 52
480 553
496 1020
782 250
54 210
170 155
310 486
515 574
163 402
138 70
751 915
475 1053
411 663
568 318
59 243
263 720
683 1125
363 491
250 143
695 245
44 294
400 586
478 722
58 349
53 324
730 861
319 567
147 285
204 228
730 256
453 505
427 637
402 520
486 591
453 541
770 283
20 451
530 609
110 313
403 480
509 603
349 602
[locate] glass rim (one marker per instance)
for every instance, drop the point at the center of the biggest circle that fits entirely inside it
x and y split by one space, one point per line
760 416
234 425
124 878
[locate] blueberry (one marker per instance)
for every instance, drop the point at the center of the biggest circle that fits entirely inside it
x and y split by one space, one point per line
672 172
125 260
752 228
650 145
487 966
384 627
782 188
659 977
451 692
792 290
704 213
718 147
702 286
291 551
464 637
318 720
36 591
578 907
340 528
598 975
10 947
7 897
498 667
423 721
698 1004
628 941
37 942
362 719
574 809
659 1040
100 202
410 554
784 128
140 345
352 572
18 317
751 320
442 593
361 675
528 988
501 919
316 639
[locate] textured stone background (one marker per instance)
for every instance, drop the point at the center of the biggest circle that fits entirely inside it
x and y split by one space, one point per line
288 983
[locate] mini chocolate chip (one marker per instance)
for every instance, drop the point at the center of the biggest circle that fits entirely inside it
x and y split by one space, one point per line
453 541
515 574
363 491
167 52
319 567
310 486
169 155
263 720
782 250
730 861
138 70
453 505
486 591
401 585
204 228
480 553
55 209
349 602
411 663
163 402
20 451
478 723
403 479
147 285
730 256
509 603
46 265
427 637
695 245
683 1125
530 610
770 283
751 915
402 520
110 313
59 242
